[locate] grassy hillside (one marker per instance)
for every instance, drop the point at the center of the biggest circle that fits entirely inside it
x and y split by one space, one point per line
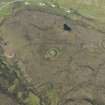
92 9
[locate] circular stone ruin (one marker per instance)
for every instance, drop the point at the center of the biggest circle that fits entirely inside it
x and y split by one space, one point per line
58 52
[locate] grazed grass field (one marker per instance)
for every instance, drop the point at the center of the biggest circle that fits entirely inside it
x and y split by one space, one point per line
91 8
